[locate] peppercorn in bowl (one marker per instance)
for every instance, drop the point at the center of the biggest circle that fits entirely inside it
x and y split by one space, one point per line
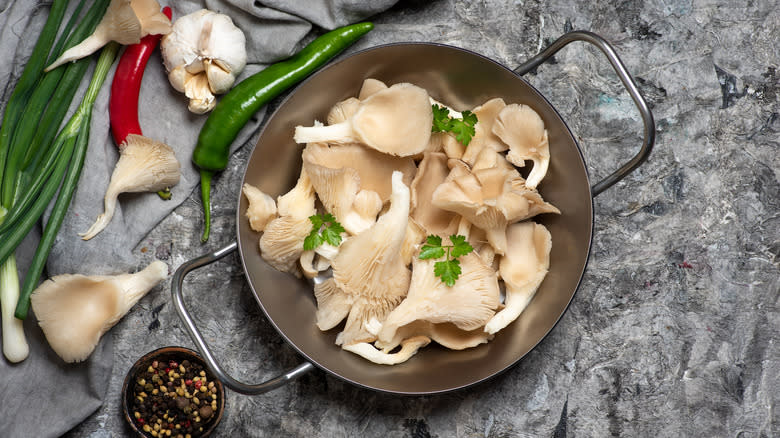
169 392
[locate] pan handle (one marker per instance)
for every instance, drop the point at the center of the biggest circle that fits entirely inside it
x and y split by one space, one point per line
214 366
628 82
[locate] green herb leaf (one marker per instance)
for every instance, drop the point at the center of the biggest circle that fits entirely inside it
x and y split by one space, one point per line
324 228
432 249
448 269
441 119
463 129
460 246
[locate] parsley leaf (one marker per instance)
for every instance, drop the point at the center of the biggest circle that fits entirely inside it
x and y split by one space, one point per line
449 268
463 129
448 271
324 228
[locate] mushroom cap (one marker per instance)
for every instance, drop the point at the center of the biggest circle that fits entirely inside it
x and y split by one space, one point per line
484 138
468 304
431 173
261 208
396 120
333 305
521 128
281 244
490 198
144 165
370 86
523 269
369 267
353 181
343 111
75 310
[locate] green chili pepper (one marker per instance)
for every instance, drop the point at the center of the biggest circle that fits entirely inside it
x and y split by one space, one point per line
236 108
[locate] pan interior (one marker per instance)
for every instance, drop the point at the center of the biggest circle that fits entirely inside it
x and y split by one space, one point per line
463 80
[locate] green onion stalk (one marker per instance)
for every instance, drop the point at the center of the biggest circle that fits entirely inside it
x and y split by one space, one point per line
62 169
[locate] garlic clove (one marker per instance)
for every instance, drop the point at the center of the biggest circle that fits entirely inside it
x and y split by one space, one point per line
178 77
144 165
219 79
202 100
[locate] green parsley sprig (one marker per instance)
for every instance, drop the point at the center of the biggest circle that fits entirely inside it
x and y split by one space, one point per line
449 268
463 129
324 228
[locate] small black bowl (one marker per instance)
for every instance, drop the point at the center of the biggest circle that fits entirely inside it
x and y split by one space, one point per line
165 355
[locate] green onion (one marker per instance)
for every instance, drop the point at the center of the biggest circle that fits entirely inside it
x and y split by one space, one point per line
83 118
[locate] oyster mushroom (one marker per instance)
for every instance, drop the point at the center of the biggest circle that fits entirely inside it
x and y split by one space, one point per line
431 173
489 198
468 304
521 128
333 304
342 111
369 267
75 310
484 138
126 22
370 86
281 244
396 121
408 349
523 269
261 208
353 181
144 165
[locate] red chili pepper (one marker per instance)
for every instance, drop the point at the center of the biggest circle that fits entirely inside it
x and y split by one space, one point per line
123 104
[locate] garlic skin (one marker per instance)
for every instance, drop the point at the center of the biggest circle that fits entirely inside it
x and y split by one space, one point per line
75 310
126 22
144 165
203 54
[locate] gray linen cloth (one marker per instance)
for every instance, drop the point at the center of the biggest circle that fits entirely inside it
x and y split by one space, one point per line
44 396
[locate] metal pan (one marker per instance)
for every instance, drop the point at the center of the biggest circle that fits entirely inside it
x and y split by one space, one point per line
463 79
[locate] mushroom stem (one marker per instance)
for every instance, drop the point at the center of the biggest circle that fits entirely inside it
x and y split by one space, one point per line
340 132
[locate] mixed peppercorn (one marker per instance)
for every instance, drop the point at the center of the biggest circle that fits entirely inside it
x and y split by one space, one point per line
172 399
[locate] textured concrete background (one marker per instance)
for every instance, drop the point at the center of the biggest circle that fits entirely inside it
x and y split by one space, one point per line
674 329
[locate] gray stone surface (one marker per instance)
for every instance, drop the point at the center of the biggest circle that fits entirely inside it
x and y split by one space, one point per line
674 329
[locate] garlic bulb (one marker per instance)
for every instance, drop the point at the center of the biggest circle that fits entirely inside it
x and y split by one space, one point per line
203 54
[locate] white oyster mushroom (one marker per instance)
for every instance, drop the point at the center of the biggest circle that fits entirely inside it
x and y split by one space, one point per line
523 269
261 208
144 165
126 22
521 128
484 138
75 310
281 244
408 349
353 181
370 86
489 198
342 111
431 173
369 267
468 304
396 121
203 54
